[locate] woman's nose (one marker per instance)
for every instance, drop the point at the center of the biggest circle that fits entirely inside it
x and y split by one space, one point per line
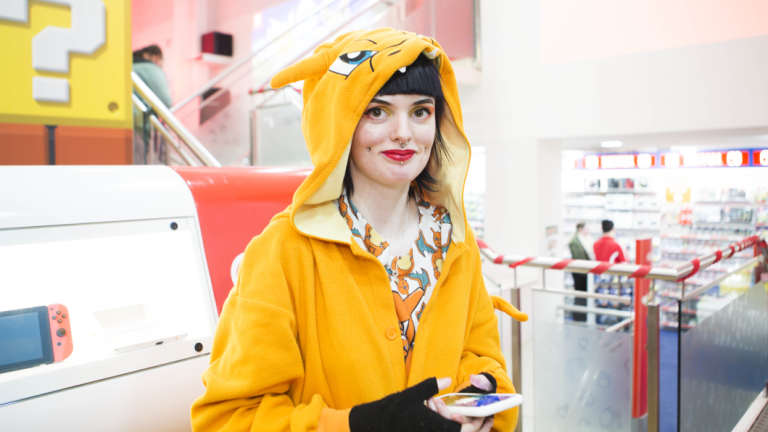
401 130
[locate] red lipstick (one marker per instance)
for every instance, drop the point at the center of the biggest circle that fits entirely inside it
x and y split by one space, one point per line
399 155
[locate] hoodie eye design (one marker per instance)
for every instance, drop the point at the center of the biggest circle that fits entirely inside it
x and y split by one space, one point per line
346 63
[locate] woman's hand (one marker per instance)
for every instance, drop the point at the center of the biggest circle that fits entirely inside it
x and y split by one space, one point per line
468 424
481 383
404 411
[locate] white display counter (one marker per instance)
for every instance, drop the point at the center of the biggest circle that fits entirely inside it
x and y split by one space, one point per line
121 248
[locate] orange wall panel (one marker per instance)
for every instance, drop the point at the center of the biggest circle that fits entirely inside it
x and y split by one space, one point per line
22 144
93 146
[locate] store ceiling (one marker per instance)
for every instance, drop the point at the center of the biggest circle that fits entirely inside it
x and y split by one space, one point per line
661 142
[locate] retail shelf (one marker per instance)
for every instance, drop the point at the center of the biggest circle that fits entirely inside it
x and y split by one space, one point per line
672 324
672 309
688 251
670 294
634 209
584 206
726 225
700 237
635 192
730 203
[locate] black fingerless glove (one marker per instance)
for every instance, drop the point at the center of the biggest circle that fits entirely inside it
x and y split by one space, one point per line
404 411
473 389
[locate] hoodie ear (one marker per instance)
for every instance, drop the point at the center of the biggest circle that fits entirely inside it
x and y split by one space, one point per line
315 65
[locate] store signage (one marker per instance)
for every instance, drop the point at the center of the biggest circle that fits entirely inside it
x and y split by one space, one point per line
705 159
645 160
592 162
66 62
617 161
737 158
760 157
671 160
731 158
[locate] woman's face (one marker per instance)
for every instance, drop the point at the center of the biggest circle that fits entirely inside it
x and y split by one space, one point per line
393 140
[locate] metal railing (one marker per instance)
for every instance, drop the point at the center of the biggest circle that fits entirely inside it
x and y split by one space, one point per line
154 110
651 301
631 270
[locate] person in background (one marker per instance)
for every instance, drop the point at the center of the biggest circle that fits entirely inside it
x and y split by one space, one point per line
606 249
147 64
578 249
364 298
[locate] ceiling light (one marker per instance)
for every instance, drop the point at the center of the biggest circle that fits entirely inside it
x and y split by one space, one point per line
611 144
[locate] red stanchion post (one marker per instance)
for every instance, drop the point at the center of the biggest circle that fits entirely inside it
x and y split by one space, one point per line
639 353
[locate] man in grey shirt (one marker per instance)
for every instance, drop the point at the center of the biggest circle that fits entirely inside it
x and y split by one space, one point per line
579 251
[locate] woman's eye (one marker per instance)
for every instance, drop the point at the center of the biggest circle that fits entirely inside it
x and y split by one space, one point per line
421 113
347 62
375 113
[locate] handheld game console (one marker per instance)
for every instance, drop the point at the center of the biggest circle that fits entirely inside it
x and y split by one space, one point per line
480 404
34 336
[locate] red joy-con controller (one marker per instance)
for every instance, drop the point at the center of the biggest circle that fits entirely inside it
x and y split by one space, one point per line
61 333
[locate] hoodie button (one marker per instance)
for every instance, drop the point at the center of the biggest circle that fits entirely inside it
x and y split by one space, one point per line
392 333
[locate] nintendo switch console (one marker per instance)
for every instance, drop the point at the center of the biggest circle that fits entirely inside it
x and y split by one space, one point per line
34 336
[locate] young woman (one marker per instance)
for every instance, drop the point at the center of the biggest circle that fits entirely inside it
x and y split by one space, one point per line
354 300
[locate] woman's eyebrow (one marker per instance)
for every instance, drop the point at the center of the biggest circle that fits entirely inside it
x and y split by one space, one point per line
424 101
380 101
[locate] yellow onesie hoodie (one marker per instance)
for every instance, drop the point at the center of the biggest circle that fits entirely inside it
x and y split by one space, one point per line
310 329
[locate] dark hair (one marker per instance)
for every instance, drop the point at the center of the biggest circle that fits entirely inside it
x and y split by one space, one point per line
152 50
580 225
420 77
138 57
607 225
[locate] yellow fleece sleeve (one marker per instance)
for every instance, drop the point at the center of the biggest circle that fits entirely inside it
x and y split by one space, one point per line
256 356
482 349
333 420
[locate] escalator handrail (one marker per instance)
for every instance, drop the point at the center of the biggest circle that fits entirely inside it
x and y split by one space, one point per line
160 110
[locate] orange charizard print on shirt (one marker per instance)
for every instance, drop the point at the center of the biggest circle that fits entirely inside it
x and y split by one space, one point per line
404 308
403 266
437 256
373 242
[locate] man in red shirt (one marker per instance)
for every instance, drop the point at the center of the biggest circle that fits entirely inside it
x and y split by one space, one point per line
606 248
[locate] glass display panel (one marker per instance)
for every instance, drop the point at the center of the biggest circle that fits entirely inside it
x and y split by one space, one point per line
723 361
582 375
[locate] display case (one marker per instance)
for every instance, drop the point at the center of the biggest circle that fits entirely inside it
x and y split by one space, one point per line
630 202
697 221
119 248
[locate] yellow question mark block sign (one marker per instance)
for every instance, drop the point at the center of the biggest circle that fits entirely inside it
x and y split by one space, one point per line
66 62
